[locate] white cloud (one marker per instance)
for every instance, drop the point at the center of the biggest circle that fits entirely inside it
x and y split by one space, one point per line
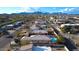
25 9
67 10
35 8
28 9
71 9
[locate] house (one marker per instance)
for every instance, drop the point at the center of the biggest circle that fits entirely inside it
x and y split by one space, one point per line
37 39
3 32
10 26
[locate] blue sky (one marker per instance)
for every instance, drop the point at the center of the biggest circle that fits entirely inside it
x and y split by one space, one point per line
9 10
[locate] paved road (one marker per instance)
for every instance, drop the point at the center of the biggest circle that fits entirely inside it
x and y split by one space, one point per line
68 42
4 42
70 45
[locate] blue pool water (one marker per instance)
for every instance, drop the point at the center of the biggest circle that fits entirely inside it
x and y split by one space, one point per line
53 39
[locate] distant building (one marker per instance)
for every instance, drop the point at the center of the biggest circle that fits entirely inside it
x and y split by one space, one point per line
40 21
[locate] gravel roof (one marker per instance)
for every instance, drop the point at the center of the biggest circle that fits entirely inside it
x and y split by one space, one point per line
39 31
39 37
36 37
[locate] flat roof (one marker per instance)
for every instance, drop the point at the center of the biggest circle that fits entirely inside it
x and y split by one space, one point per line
62 25
39 31
10 25
39 37
36 37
